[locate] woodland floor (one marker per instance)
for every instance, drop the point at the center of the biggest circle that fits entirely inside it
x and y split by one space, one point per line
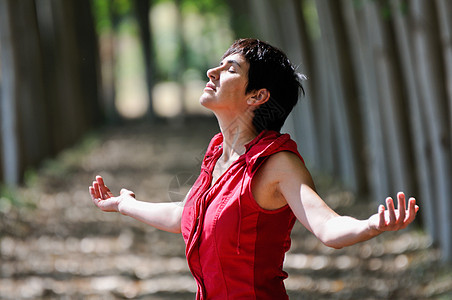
54 244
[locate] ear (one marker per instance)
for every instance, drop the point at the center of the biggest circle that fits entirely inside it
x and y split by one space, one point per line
259 97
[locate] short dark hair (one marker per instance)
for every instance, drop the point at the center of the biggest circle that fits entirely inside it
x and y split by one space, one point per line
270 69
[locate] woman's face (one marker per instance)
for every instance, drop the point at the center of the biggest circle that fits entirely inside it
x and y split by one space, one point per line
227 85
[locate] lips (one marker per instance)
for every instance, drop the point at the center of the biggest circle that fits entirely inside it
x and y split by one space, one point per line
212 86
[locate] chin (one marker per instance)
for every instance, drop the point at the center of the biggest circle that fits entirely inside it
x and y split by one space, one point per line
205 101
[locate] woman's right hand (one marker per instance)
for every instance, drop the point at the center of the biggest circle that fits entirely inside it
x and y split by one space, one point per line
104 199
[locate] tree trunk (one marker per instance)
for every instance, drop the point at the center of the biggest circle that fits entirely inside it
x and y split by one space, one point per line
430 72
9 122
48 98
108 45
444 8
361 54
391 99
141 8
88 63
61 53
25 140
262 13
296 41
417 121
240 22
323 108
342 94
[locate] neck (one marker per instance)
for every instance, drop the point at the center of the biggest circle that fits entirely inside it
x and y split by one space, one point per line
237 133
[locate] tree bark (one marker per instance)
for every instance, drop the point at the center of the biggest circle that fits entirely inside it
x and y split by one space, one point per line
48 98
417 121
25 139
141 8
9 122
241 24
430 74
269 29
342 93
88 63
295 43
363 65
444 8
391 100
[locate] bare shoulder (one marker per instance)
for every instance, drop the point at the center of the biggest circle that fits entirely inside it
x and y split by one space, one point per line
284 164
278 169
285 159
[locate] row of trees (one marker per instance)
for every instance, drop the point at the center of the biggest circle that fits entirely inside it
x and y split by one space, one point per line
379 108
59 70
49 80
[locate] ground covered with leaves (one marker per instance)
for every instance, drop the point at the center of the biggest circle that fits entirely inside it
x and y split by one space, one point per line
54 244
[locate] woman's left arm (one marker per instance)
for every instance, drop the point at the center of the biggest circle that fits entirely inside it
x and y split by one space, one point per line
296 186
344 231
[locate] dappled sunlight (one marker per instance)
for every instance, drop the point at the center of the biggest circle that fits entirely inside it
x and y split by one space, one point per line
170 99
167 99
66 247
132 100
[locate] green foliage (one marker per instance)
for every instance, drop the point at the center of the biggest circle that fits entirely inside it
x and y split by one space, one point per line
384 7
311 18
206 34
104 10
205 27
200 6
10 197
60 167
68 160
204 6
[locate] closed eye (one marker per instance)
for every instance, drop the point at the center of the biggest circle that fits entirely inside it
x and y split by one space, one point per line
231 62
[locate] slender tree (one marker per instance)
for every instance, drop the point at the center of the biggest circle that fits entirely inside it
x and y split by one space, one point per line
141 10
49 80
417 121
296 41
305 111
430 72
24 138
391 99
444 9
341 91
361 53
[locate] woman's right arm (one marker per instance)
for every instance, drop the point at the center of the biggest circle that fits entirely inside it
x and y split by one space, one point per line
164 216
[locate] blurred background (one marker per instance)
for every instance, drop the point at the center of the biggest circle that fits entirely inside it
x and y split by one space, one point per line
111 87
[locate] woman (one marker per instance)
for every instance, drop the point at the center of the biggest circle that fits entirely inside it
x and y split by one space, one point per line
237 218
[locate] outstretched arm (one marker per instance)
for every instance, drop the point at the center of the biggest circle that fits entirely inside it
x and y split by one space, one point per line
164 216
296 185
341 231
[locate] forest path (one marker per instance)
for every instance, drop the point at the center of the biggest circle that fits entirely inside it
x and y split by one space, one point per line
62 247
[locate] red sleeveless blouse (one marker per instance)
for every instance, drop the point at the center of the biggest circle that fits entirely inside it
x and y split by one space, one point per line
235 249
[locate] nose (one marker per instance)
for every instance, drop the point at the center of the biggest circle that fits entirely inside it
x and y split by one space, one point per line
213 73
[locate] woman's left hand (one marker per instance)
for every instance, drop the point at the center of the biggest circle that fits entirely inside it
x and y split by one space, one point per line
392 219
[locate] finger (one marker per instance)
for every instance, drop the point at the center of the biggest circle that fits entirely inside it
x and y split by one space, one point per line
107 191
91 192
381 214
96 190
100 180
96 200
104 190
390 205
412 209
401 207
